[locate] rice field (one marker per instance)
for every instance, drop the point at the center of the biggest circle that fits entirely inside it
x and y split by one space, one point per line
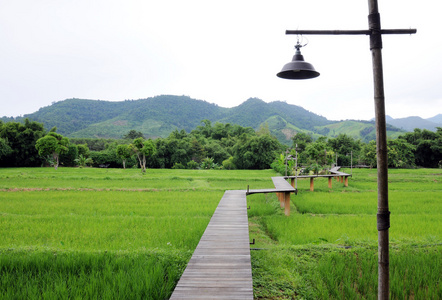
327 248
86 233
104 233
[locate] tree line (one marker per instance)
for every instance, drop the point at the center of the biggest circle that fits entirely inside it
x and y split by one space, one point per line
209 146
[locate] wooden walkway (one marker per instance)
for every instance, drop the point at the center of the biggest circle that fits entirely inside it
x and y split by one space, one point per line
220 267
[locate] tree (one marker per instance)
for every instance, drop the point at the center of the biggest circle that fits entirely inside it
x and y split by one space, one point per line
428 145
142 148
255 152
344 145
400 153
205 130
368 154
197 150
214 150
263 129
69 158
21 139
301 139
228 164
5 150
133 134
123 152
318 153
83 149
53 144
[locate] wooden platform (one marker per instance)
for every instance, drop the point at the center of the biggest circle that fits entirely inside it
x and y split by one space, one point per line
340 176
283 189
220 267
281 186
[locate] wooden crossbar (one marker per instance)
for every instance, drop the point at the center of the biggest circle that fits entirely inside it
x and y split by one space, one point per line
283 189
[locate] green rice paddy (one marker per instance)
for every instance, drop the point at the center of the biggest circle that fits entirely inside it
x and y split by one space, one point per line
327 248
86 233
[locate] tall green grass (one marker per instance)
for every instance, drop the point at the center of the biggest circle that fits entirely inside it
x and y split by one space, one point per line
105 220
415 274
89 275
105 233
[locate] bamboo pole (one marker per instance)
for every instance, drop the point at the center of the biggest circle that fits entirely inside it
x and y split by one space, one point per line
383 216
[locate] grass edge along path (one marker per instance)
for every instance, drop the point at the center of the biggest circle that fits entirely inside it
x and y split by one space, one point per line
45 274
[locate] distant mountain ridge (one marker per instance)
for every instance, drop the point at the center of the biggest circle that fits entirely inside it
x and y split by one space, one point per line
160 115
410 123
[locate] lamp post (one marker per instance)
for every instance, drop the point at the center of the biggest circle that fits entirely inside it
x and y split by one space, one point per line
298 70
286 159
296 168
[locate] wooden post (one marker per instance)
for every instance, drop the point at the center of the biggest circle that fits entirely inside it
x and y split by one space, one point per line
337 178
341 179
292 182
346 181
281 199
311 184
287 203
329 182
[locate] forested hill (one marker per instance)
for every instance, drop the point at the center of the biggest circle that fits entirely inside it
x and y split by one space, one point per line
109 119
160 115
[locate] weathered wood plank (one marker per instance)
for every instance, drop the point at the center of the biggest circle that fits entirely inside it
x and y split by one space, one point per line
220 267
281 186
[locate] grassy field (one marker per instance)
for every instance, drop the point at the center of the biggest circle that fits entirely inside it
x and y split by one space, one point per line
117 234
105 233
327 248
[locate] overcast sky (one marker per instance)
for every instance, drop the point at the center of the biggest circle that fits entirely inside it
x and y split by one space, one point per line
223 52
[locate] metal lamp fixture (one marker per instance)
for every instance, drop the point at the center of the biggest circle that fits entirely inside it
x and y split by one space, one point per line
298 68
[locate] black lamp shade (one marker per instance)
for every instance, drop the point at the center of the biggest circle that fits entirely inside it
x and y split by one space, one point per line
298 68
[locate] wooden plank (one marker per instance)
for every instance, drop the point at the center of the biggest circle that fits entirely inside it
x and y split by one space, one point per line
281 186
220 267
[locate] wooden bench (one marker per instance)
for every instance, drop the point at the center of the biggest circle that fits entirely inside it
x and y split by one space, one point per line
282 190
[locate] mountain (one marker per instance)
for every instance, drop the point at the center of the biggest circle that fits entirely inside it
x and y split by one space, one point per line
436 119
156 116
160 115
410 123
364 130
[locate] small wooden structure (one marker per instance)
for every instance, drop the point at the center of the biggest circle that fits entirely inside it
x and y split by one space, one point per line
340 176
282 190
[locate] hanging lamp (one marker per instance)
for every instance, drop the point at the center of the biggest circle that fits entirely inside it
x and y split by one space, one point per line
298 68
